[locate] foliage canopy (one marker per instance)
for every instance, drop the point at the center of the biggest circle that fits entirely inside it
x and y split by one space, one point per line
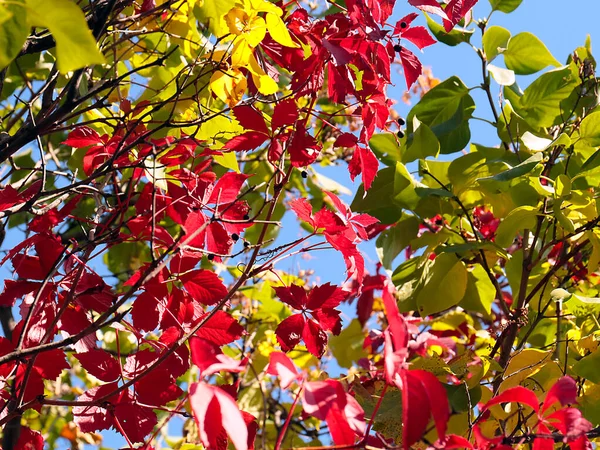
150 151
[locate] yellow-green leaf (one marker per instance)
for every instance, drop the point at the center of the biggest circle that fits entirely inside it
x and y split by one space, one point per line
278 31
13 31
75 45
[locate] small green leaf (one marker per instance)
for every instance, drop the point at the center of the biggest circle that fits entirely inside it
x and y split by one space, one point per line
424 143
518 219
582 306
446 110
455 37
14 30
228 160
495 40
444 285
480 293
562 185
505 6
589 130
392 241
504 77
526 54
75 45
347 348
540 104
212 12
588 367
379 200
386 148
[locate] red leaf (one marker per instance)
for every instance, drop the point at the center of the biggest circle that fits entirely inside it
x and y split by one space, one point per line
563 391
430 6
418 36
411 65
315 337
570 422
517 394
416 409
365 162
303 210
247 141
346 140
210 359
214 411
294 295
283 368
438 400
285 113
90 418
195 220
250 118
304 149
144 313
205 286
228 188
136 420
50 364
147 392
9 197
83 137
29 439
100 364
541 443
289 332
453 441
221 329
404 23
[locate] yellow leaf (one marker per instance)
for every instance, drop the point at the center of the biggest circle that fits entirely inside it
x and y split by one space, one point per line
264 83
13 31
241 54
211 13
75 45
250 27
229 86
279 31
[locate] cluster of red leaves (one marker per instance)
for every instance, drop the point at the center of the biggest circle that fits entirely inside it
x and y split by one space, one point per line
485 222
342 229
568 421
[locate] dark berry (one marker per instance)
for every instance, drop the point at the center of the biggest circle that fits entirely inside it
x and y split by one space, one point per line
400 134
246 244
439 221
397 48
304 174
235 236
403 25
401 121
210 256
246 217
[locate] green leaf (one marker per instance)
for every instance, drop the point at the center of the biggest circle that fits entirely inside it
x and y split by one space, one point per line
228 160
379 201
589 130
404 188
480 293
499 181
506 6
444 285
540 104
424 143
347 348
562 185
386 148
526 54
455 37
392 241
518 219
75 45
504 77
495 40
446 110
588 367
13 30
582 306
